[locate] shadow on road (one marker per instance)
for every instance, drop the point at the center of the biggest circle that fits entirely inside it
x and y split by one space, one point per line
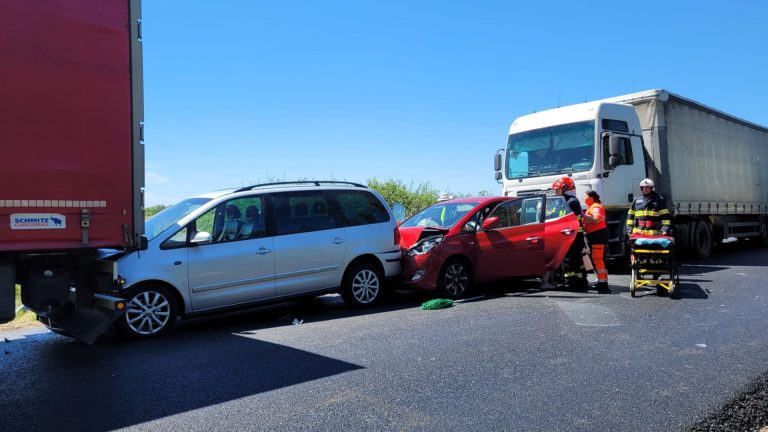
115 385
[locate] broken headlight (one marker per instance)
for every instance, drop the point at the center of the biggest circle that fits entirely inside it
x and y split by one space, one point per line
425 245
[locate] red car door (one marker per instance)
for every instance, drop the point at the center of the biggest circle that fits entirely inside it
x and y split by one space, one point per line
560 228
514 245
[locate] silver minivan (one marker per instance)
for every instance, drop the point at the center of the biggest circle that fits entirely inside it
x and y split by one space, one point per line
259 244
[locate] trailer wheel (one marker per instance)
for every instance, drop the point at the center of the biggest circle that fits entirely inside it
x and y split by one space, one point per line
702 240
764 233
150 311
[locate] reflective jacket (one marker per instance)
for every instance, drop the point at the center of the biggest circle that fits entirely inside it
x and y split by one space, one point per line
596 211
649 215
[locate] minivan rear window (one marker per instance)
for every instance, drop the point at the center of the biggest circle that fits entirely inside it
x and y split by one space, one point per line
360 208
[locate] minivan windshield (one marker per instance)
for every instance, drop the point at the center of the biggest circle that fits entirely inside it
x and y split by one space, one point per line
169 216
552 150
442 215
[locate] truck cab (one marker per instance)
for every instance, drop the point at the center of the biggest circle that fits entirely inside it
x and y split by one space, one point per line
598 144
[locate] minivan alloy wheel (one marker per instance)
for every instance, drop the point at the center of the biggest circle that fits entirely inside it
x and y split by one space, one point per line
362 286
365 286
148 313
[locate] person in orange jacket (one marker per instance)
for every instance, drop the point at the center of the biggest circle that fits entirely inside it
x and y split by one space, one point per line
597 237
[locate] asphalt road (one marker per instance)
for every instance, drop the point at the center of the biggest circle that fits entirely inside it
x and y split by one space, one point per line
514 359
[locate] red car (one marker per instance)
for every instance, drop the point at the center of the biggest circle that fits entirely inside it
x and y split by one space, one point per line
454 244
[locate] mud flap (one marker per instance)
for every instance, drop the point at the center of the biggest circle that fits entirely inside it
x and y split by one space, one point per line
87 324
7 292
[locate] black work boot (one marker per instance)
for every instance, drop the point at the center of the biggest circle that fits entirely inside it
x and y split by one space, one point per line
602 287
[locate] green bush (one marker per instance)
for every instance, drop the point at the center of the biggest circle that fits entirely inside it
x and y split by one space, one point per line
413 198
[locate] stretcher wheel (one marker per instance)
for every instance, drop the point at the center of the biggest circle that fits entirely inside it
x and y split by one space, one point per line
632 283
674 287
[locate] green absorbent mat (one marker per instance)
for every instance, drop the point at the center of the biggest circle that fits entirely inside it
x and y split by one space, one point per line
437 304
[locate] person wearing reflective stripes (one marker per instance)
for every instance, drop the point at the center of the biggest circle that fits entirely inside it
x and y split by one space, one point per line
649 214
573 264
597 237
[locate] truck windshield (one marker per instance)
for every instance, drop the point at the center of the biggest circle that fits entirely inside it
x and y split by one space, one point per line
169 216
551 150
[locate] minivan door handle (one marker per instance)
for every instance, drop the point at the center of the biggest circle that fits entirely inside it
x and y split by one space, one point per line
338 240
263 251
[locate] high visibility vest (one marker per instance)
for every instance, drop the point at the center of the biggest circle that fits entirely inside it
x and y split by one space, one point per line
596 211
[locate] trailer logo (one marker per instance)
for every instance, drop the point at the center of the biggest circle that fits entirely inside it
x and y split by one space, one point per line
26 221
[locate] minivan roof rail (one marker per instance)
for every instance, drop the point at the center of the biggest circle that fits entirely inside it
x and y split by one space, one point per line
299 182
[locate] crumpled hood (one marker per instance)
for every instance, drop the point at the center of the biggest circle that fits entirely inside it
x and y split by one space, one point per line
411 235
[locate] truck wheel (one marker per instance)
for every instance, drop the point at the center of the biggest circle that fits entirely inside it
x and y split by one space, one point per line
764 233
150 311
362 285
702 240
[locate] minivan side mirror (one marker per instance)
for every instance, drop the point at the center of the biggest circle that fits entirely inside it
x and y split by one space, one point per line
202 238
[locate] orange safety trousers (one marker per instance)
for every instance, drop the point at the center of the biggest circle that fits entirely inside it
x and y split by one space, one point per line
598 251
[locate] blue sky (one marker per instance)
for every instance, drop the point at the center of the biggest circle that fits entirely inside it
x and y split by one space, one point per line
239 92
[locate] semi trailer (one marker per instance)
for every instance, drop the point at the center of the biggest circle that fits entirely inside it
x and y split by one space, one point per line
72 166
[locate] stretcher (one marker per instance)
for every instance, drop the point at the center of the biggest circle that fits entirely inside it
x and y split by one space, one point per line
653 265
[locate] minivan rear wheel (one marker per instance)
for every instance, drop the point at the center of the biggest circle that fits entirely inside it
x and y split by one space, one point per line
362 286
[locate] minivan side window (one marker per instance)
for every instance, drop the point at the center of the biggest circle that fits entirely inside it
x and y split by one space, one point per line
236 219
302 211
360 207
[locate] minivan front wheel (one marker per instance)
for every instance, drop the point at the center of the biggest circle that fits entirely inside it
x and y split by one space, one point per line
149 311
362 285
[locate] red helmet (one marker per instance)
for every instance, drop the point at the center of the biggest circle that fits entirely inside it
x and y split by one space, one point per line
565 183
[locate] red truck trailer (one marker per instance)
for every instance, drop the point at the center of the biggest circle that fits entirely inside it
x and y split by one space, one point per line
72 164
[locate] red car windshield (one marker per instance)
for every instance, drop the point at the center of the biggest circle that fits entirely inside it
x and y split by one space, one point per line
441 215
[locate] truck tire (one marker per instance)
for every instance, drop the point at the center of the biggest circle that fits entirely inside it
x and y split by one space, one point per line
150 311
701 241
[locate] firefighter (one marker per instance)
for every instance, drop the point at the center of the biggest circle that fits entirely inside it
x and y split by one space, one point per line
597 237
649 214
573 264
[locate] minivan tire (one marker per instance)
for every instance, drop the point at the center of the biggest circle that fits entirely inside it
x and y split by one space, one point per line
362 285
150 310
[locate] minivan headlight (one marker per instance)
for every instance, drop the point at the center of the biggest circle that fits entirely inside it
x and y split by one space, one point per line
425 245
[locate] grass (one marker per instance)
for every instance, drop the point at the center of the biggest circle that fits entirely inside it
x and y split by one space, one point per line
23 317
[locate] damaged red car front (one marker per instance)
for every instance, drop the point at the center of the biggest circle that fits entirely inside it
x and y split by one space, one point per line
454 244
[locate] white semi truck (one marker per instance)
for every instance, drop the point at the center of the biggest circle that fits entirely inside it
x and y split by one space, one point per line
711 167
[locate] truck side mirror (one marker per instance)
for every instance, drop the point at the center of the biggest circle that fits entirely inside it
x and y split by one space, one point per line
613 144
497 164
498 175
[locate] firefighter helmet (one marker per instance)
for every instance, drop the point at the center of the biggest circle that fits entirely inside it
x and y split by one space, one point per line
565 183
647 182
